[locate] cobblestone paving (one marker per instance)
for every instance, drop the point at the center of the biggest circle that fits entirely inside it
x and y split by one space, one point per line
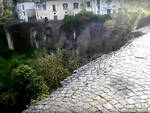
115 83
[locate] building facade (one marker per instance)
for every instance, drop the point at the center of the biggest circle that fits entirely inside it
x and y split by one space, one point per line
57 9
26 11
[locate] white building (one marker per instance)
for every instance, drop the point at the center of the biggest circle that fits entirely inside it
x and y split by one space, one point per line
57 9
106 6
26 11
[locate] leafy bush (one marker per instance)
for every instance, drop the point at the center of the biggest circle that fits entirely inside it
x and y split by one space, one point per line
70 60
26 86
49 67
4 50
4 72
7 16
13 61
20 85
90 17
7 13
55 68
25 79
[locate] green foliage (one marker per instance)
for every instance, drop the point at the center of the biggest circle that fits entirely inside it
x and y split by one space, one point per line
17 59
7 16
10 97
22 85
33 101
49 67
13 61
68 23
85 16
70 61
25 79
130 14
4 51
8 100
4 72
26 86
55 68
3 47
76 22
7 13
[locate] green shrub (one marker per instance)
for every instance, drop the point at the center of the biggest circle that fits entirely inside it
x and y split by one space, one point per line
4 50
49 67
26 80
7 13
8 101
70 60
7 16
72 23
26 86
5 71
55 68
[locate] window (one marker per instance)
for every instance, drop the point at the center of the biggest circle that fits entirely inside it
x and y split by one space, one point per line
98 2
75 5
23 7
54 8
88 4
108 11
65 6
44 6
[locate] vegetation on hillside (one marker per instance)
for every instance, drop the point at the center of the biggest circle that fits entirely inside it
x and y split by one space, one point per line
130 14
77 22
27 78
7 16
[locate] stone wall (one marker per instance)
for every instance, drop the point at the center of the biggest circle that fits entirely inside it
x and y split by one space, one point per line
52 36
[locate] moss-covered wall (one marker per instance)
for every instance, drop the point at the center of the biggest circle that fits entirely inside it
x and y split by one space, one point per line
22 34
4 51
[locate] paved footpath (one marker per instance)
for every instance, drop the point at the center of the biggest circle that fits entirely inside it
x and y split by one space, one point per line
115 83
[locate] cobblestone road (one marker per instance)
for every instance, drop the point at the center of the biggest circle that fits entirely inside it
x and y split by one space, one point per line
115 83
